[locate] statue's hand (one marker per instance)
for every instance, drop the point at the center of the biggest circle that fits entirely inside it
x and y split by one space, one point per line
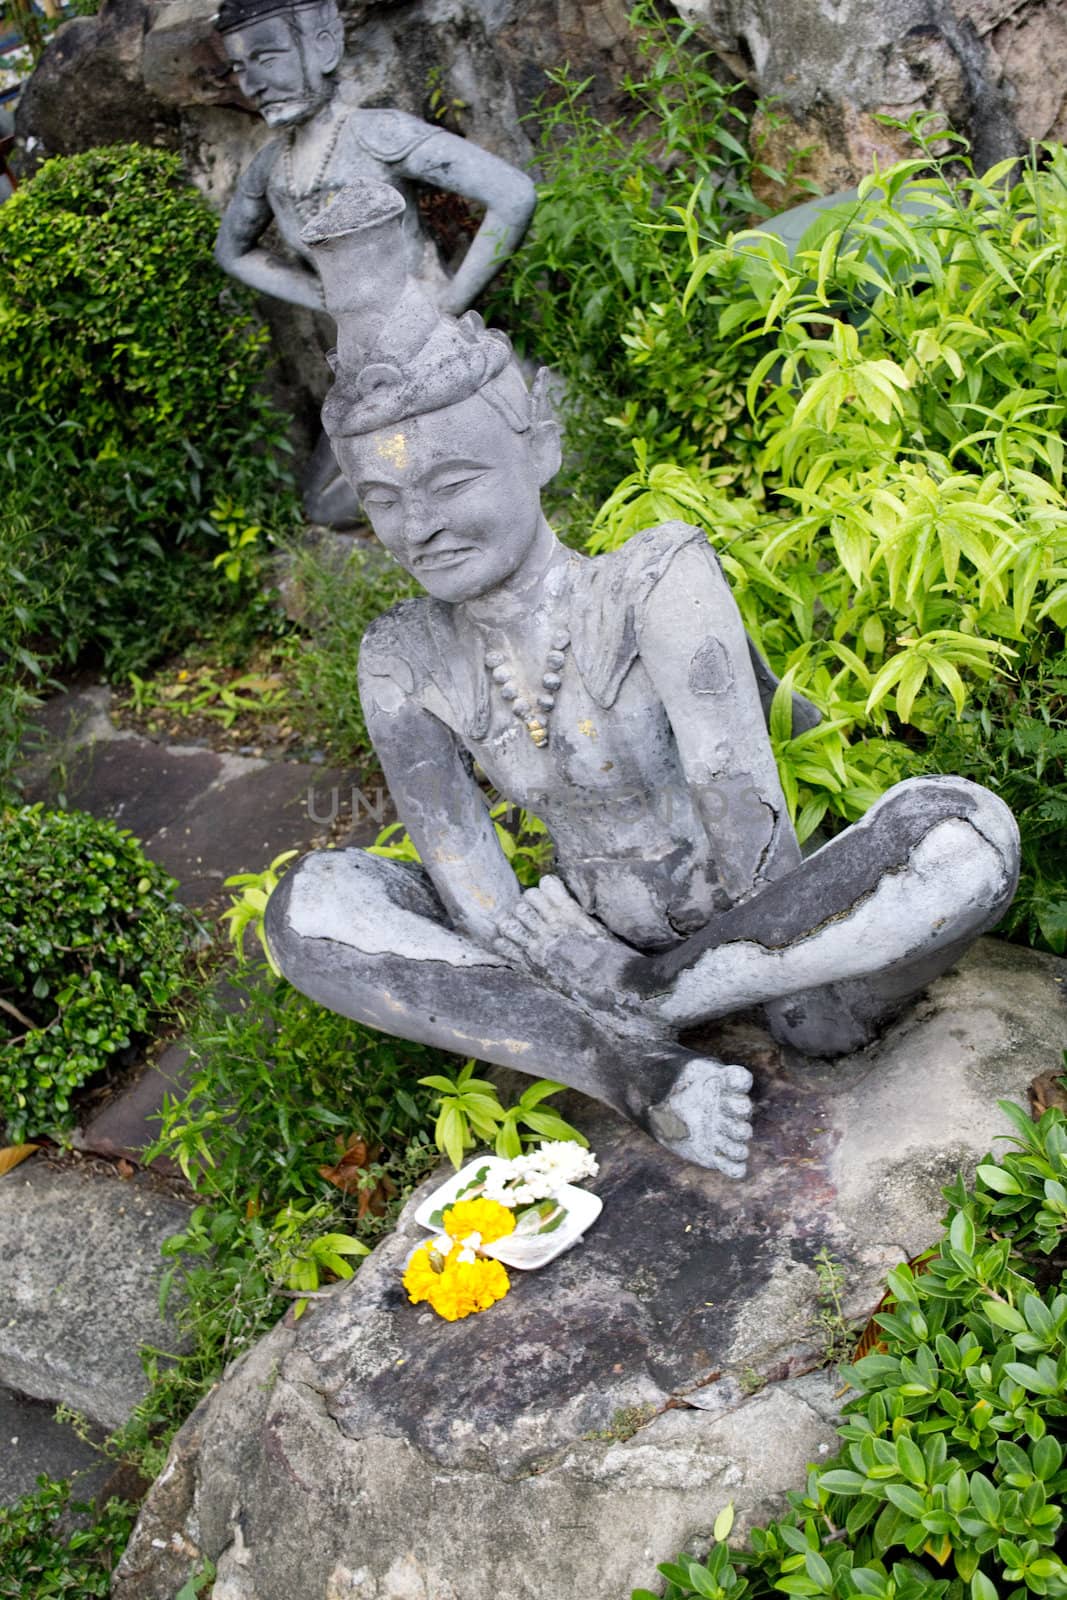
451 304
549 935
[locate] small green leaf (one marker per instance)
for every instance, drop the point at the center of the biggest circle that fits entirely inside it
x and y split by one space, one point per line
723 1523
1003 1182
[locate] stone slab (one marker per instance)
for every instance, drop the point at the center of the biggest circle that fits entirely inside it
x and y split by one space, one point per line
598 1417
133 782
32 1442
80 1269
253 812
130 1122
203 816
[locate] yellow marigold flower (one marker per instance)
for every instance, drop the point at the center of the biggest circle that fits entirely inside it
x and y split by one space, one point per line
464 1287
485 1217
420 1275
459 1288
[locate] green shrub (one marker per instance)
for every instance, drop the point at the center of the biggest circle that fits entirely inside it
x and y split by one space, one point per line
91 952
282 1089
908 565
135 419
951 1478
338 601
599 285
44 1557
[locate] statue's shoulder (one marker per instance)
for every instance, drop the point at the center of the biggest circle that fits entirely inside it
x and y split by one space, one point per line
392 637
403 645
256 176
611 592
387 135
638 565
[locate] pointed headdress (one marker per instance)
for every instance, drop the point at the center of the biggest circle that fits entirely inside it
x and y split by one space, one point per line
397 355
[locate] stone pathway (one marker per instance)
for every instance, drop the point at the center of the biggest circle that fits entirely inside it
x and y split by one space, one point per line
80 1243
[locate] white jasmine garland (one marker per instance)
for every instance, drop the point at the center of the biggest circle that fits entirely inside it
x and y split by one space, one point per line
540 1174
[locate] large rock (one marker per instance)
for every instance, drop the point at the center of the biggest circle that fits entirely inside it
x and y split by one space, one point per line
81 1270
88 87
833 69
599 1417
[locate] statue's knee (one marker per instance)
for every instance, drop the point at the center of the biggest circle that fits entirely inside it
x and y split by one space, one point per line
980 843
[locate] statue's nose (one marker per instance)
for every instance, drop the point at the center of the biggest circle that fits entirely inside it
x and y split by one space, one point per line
248 78
422 523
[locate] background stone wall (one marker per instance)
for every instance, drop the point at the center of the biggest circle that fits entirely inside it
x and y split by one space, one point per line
154 70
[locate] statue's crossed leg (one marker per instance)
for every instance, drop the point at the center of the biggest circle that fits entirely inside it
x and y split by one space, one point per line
832 950
369 938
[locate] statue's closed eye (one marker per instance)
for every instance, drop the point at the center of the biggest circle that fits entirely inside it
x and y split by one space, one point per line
451 486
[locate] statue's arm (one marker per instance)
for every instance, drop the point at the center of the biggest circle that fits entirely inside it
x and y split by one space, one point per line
694 647
237 248
448 162
441 807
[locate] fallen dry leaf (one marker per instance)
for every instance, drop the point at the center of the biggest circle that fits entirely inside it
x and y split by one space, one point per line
872 1338
12 1154
355 1158
1048 1089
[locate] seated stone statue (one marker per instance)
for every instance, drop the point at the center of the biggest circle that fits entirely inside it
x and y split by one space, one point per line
285 55
619 699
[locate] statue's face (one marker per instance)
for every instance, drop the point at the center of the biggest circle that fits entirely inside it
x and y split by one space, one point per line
454 495
286 74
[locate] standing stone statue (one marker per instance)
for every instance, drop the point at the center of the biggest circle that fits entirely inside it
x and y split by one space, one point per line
285 55
619 699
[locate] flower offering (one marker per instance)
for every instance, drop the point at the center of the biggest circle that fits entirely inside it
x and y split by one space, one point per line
524 1212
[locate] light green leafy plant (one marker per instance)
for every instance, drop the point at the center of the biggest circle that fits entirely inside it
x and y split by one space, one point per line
470 1113
523 838
951 1477
303 1254
906 564
248 908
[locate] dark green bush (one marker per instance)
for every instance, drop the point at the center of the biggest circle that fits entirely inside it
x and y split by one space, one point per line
136 425
91 952
951 1478
44 1557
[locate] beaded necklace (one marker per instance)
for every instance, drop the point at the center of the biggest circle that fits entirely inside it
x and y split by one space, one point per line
305 200
524 706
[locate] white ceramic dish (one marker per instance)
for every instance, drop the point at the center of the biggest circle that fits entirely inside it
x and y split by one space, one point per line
536 1250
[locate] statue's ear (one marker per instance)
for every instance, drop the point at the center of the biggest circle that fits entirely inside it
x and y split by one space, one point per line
330 45
544 427
541 407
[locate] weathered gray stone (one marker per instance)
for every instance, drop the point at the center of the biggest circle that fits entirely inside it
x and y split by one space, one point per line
81 1270
839 62
32 1442
88 87
596 1419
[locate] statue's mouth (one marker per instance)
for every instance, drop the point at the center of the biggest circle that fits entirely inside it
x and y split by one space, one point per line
441 558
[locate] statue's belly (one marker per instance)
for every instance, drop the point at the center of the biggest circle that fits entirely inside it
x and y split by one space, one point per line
610 789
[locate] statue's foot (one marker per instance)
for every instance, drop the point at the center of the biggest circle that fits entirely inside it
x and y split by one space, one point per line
706 1118
549 935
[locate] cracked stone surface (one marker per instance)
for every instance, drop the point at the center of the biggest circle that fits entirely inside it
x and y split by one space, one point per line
203 816
598 1418
80 1273
32 1441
